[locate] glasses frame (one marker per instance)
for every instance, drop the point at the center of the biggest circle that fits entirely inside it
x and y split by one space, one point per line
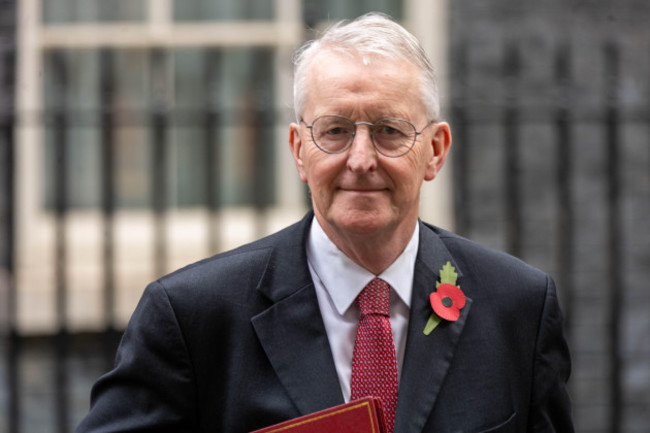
372 134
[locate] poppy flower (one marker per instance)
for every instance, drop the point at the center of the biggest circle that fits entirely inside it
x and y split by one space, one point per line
447 301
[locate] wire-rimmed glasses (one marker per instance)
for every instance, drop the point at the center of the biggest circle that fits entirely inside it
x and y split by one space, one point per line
391 136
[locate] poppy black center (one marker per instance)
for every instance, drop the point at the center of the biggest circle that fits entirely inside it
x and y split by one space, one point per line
447 302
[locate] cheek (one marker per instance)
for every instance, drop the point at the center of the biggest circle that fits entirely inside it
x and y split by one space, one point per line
320 172
408 178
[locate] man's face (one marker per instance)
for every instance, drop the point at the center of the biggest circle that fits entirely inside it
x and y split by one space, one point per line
361 192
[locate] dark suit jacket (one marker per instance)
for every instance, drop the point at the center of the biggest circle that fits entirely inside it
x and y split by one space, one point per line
236 342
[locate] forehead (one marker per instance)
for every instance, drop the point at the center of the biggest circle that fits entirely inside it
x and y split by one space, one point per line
346 83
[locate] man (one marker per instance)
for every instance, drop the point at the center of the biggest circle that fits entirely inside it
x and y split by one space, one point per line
268 332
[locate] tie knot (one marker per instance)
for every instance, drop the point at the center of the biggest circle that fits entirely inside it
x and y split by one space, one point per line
375 298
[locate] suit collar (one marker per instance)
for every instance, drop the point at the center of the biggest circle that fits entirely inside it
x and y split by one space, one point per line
344 279
291 330
427 357
294 338
287 270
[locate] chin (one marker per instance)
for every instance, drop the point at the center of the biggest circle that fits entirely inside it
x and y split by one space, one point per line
362 222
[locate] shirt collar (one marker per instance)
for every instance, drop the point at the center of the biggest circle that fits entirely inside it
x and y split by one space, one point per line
344 279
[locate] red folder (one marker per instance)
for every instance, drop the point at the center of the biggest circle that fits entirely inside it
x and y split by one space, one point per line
358 416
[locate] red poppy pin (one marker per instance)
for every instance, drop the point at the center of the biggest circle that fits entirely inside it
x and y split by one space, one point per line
447 300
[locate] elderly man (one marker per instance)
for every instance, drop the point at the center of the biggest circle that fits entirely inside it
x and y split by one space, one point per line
360 297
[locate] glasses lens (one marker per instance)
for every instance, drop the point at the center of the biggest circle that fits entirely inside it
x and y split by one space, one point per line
332 133
393 137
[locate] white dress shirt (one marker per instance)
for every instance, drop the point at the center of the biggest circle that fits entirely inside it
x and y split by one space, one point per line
338 281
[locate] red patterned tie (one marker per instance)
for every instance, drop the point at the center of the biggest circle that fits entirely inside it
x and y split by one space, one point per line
374 362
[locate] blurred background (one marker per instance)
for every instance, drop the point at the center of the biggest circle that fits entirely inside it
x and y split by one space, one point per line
137 136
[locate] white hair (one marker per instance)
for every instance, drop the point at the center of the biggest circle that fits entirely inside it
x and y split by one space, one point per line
372 34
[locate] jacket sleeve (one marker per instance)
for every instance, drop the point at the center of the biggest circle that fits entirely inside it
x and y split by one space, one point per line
550 409
151 387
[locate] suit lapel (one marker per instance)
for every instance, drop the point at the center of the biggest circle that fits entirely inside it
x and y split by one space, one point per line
292 331
293 335
427 357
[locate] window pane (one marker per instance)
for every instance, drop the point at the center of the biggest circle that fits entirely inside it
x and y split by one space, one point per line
73 82
210 10
129 73
224 108
70 99
333 10
216 131
72 11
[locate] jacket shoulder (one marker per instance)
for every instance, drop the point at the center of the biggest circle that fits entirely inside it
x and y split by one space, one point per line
466 250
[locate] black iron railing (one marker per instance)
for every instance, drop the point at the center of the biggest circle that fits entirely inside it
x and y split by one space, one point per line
75 359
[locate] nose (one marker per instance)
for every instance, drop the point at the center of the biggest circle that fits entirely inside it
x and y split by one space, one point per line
362 155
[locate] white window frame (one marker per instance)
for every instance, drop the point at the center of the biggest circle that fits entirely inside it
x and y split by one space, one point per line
186 229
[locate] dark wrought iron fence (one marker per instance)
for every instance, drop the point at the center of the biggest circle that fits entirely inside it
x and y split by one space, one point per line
56 397
596 238
68 362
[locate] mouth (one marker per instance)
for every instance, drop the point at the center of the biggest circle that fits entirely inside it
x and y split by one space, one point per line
363 190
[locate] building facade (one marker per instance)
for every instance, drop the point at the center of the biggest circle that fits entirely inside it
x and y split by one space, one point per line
137 136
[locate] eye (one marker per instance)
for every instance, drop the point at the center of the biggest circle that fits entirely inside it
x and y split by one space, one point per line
390 130
334 128
337 130
387 130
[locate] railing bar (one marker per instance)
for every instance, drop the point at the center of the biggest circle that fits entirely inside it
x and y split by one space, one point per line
261 118
511 120
107 92
614 261
60 174
12 337
566 213
160 119
462 202
211 144
13 379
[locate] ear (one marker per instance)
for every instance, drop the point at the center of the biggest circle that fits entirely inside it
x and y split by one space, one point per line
440 143
295 145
